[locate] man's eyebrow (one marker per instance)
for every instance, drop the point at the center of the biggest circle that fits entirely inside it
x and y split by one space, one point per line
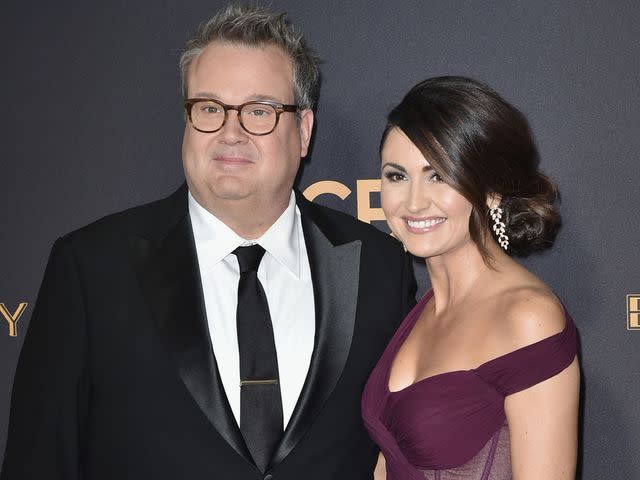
206 95
250 98
262 97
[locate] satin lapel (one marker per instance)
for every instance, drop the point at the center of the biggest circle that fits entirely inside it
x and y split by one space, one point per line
335 274
170 280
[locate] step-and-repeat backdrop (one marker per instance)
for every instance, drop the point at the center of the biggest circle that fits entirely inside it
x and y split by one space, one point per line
92 123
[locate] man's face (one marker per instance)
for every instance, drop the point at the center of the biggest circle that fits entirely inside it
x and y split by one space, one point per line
231 166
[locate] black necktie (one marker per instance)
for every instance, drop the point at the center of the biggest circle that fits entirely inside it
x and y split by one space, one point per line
260 401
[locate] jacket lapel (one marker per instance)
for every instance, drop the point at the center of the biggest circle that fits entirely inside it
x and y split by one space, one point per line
335 269
168 274
167 269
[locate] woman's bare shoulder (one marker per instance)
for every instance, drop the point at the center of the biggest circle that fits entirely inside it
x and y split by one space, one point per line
529 312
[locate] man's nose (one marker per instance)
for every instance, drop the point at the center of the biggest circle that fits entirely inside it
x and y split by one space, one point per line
232 131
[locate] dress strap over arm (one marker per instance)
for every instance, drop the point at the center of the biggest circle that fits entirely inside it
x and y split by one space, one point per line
533 363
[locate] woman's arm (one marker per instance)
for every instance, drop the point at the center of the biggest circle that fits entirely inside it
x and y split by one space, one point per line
543 419
380 472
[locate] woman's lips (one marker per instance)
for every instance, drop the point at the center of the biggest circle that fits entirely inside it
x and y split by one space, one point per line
423 225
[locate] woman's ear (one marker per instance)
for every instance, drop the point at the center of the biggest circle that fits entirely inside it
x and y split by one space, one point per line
493 200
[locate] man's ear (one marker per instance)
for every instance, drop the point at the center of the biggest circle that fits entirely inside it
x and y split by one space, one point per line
306 127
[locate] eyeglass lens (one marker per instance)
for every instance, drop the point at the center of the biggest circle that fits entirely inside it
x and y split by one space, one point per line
254 117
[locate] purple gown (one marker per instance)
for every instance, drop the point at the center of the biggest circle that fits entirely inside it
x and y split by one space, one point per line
453 425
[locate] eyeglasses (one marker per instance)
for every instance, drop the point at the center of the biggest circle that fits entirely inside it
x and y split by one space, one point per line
257 118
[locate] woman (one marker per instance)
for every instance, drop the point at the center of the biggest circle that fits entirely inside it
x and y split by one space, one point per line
481 380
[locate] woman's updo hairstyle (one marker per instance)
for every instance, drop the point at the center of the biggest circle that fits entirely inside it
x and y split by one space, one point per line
481 145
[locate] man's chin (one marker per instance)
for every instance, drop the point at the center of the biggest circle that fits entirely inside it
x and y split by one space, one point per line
230 188
230 195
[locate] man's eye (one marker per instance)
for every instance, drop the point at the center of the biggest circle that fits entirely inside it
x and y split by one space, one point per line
259 111
210 109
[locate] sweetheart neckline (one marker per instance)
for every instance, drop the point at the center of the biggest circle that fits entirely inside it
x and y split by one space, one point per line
473 370
430 377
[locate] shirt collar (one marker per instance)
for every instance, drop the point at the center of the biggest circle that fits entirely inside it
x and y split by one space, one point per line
215 240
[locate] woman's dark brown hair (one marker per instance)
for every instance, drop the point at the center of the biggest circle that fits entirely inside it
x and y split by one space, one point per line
481 145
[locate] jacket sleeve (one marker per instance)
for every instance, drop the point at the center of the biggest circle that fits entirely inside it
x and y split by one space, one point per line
409 288
51 387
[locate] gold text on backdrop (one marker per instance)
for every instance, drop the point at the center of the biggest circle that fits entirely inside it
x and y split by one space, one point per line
633 311
364 189
12 319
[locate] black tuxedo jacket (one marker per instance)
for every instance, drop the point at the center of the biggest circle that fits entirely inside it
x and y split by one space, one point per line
117 378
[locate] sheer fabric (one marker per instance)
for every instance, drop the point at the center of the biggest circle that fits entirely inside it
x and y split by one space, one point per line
453 425
492 462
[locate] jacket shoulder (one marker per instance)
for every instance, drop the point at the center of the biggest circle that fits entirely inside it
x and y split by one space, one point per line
142 220
348 228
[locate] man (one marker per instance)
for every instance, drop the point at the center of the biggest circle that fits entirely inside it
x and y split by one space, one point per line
226 331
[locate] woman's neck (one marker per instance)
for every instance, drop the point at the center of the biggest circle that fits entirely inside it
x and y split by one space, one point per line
454 275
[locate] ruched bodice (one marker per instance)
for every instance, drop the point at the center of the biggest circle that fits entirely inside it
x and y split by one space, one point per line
453 425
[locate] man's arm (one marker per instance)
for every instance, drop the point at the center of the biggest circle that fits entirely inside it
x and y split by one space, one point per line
50 390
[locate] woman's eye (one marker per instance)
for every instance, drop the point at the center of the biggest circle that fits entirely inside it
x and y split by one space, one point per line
435 178
394 176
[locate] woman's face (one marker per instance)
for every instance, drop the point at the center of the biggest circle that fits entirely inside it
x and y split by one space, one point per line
428 216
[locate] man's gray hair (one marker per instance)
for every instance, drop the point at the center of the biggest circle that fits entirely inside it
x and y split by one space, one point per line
256 26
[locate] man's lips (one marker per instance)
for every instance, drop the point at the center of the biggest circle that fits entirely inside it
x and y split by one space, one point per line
230 160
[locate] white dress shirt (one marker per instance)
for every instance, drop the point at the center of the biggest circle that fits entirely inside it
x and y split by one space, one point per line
286 278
